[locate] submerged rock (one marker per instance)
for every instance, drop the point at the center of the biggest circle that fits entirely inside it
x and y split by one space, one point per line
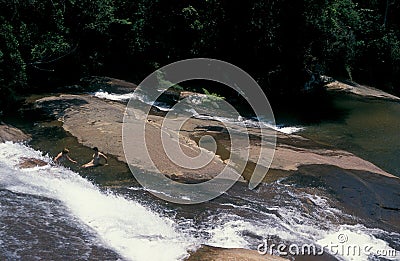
31 163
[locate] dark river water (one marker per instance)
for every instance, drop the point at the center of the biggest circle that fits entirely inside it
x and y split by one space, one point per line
370 128
65 213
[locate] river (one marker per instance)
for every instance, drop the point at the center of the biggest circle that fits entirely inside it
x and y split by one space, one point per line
57 213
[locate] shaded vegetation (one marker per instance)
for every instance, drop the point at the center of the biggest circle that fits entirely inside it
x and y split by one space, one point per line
283 44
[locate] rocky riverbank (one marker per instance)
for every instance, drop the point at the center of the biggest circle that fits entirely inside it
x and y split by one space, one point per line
355 185
362 188
361 90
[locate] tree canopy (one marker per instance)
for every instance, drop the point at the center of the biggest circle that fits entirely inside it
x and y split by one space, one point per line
281 43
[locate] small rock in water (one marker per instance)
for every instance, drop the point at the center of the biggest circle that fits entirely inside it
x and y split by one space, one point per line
31 163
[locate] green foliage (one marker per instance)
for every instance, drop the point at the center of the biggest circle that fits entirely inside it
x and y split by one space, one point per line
211 99
50 46
281 43
213 96
192 17
336 23
39 38
165 84
12 66
349 39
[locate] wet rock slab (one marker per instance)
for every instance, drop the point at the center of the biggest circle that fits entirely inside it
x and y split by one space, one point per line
364 194
98 122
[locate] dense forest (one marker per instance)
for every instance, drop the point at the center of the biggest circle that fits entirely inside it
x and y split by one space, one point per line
281 43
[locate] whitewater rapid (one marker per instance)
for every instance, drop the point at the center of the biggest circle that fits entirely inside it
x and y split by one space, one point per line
239 219
129 228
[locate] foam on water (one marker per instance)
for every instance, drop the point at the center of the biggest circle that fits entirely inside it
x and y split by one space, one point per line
127 96
229 234
250 123
134 231
113 96
359 243
290 223
231 231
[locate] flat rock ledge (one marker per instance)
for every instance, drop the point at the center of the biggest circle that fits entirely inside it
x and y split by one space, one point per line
97 122
360 90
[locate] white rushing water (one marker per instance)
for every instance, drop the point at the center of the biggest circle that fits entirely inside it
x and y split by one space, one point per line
131 229
138 233
250 122
360 243
127 96
296 229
